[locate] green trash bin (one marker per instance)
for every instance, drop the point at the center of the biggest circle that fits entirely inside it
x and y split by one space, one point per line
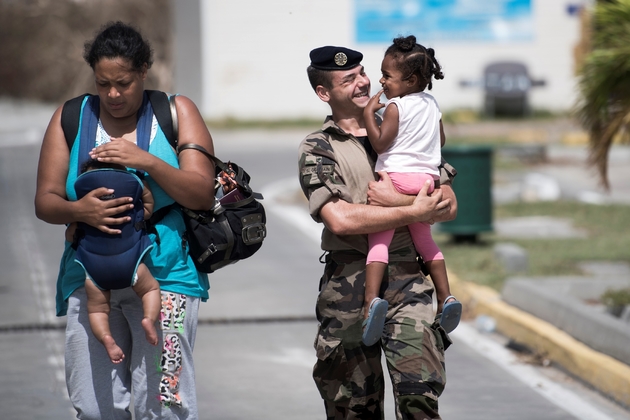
473 188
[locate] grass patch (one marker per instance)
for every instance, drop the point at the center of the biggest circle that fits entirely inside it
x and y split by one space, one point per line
472 262
494 141
234 124
608 239
471 115
459 116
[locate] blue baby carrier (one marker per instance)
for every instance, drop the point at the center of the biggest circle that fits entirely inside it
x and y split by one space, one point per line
110 260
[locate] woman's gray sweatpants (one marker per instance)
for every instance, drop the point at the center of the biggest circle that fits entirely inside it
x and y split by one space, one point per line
161 377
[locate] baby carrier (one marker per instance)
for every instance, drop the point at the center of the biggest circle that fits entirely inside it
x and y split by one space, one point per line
112 260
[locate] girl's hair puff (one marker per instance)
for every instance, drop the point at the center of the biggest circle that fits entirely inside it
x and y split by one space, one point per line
413 58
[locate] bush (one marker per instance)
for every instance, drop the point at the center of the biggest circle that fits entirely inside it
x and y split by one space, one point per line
616 300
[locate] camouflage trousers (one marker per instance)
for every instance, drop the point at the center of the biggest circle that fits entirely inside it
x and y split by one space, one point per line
348 374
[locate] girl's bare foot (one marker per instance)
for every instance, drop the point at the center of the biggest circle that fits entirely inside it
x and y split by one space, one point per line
149 331
114 352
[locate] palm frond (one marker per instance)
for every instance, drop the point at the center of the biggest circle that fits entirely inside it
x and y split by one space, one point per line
604 82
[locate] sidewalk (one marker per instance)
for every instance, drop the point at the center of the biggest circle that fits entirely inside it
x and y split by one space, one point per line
558 171
603 372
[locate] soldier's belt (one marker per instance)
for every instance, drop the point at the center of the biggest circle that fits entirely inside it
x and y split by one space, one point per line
346 256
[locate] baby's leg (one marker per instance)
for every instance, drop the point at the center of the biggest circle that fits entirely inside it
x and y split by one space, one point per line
148 289
98 315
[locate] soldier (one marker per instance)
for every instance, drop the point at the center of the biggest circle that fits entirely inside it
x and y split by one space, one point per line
336 169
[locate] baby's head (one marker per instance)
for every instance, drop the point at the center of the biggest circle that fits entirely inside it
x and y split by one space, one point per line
411 58
96 164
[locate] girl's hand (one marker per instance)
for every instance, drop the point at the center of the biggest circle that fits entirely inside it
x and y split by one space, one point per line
122 152
101 213
374 104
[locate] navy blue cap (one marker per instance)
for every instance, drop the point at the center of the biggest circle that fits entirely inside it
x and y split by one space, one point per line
335 58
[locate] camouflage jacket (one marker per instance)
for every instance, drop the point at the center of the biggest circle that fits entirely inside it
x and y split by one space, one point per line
333 163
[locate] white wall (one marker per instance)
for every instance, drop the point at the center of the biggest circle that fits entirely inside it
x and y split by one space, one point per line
187 77
255 54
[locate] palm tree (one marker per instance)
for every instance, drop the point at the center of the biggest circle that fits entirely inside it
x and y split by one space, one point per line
604 82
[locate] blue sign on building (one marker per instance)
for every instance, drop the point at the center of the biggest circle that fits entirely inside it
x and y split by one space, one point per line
380 21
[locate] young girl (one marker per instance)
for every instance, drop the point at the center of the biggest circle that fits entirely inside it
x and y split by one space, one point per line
408 143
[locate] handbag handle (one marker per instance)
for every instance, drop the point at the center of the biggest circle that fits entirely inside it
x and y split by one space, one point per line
201 149
239 179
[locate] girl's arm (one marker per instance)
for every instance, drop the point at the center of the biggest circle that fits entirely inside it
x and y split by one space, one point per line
442 135
380 137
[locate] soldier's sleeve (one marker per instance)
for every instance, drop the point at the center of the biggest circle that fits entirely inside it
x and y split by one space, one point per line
319 174
447 173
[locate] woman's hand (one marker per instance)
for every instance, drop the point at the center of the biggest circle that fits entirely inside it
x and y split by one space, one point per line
100 213
122 152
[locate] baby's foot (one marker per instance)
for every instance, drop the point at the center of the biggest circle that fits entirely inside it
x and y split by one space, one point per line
150 331
114 352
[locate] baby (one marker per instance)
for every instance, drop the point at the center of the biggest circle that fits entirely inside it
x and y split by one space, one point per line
115 261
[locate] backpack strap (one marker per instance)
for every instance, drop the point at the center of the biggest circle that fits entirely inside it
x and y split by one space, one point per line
145 121
163 108
88 130
70 114
90 124
165 113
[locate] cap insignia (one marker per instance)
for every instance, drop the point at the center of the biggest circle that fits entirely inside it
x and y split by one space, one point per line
341 59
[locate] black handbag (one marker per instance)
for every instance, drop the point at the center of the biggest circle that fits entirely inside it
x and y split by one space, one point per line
235 227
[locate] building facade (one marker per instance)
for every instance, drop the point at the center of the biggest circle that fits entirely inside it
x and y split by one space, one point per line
247 59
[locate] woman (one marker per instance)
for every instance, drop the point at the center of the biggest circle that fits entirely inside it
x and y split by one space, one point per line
162 376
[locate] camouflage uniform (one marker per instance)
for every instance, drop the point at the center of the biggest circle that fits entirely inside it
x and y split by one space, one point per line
347 373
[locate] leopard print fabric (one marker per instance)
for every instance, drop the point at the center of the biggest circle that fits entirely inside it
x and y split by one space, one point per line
172 323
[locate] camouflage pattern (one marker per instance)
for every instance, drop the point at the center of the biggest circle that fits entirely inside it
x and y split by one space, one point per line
347 373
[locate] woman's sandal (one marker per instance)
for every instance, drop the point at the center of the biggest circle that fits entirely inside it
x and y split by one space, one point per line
451 314
374 323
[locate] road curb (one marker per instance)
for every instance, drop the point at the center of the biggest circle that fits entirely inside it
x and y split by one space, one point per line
601 371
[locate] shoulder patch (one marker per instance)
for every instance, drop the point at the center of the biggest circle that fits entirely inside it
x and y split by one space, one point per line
318 142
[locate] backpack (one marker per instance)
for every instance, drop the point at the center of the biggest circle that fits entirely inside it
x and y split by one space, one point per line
233 229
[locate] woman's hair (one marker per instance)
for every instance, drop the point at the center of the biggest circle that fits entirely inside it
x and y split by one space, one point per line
412 58
118 39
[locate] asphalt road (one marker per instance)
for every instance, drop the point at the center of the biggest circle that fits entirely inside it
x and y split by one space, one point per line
254 345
